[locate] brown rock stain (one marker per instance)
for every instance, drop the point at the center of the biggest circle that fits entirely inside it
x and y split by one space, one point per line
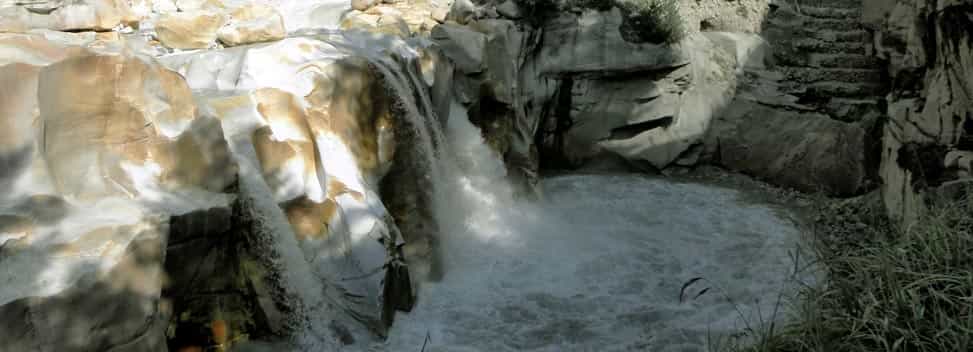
310 220
350 101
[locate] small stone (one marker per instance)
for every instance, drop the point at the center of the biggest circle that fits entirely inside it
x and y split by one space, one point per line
509 9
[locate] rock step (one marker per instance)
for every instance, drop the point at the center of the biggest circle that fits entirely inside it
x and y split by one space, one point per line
824 60
843 61
844 4
824 74
846 13
848 109
846 36
811 45
817 24
831 89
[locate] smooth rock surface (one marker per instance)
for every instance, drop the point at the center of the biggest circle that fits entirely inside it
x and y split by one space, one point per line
190 30
252 23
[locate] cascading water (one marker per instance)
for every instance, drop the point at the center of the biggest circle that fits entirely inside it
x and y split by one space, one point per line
598 265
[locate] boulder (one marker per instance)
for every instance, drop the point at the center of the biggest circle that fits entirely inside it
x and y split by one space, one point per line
252 23
651 119
120 123
192 5
461 12
509 9
189 30
376 22
98 177
465 47
362 5
84 15
822 155
590 43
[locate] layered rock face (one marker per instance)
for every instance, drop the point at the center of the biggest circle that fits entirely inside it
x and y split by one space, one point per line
155 201
108 150
927 140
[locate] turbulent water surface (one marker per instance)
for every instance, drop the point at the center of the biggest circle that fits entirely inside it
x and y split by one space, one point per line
599 265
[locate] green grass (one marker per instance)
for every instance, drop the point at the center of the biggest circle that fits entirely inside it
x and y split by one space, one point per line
885 289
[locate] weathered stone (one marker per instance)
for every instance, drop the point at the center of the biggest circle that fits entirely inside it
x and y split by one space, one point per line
111 302
928 46
97 133
591 43
85 15
509 9
362 5
462 11
252 23
189 30
463 46
821 155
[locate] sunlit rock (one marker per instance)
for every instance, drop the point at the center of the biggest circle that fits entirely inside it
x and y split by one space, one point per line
133 115
252 23
189 30
90 15
390 24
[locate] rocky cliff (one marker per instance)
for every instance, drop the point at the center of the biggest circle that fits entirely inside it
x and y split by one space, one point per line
926 144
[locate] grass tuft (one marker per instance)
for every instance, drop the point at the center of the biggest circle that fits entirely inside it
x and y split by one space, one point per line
886 289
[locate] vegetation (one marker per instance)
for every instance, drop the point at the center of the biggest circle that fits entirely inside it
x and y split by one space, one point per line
885 289
645 21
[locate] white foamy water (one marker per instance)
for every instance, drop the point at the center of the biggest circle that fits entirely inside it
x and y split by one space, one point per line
598 266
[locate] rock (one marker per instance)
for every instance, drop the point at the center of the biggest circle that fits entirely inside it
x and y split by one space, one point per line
591 43
320 127
821 155
439 14
96 134
655 119
509 9
463 46
189 30
929 107
461 12
362 5
252 23
384 24
961 160
116 306
193 5
84 15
